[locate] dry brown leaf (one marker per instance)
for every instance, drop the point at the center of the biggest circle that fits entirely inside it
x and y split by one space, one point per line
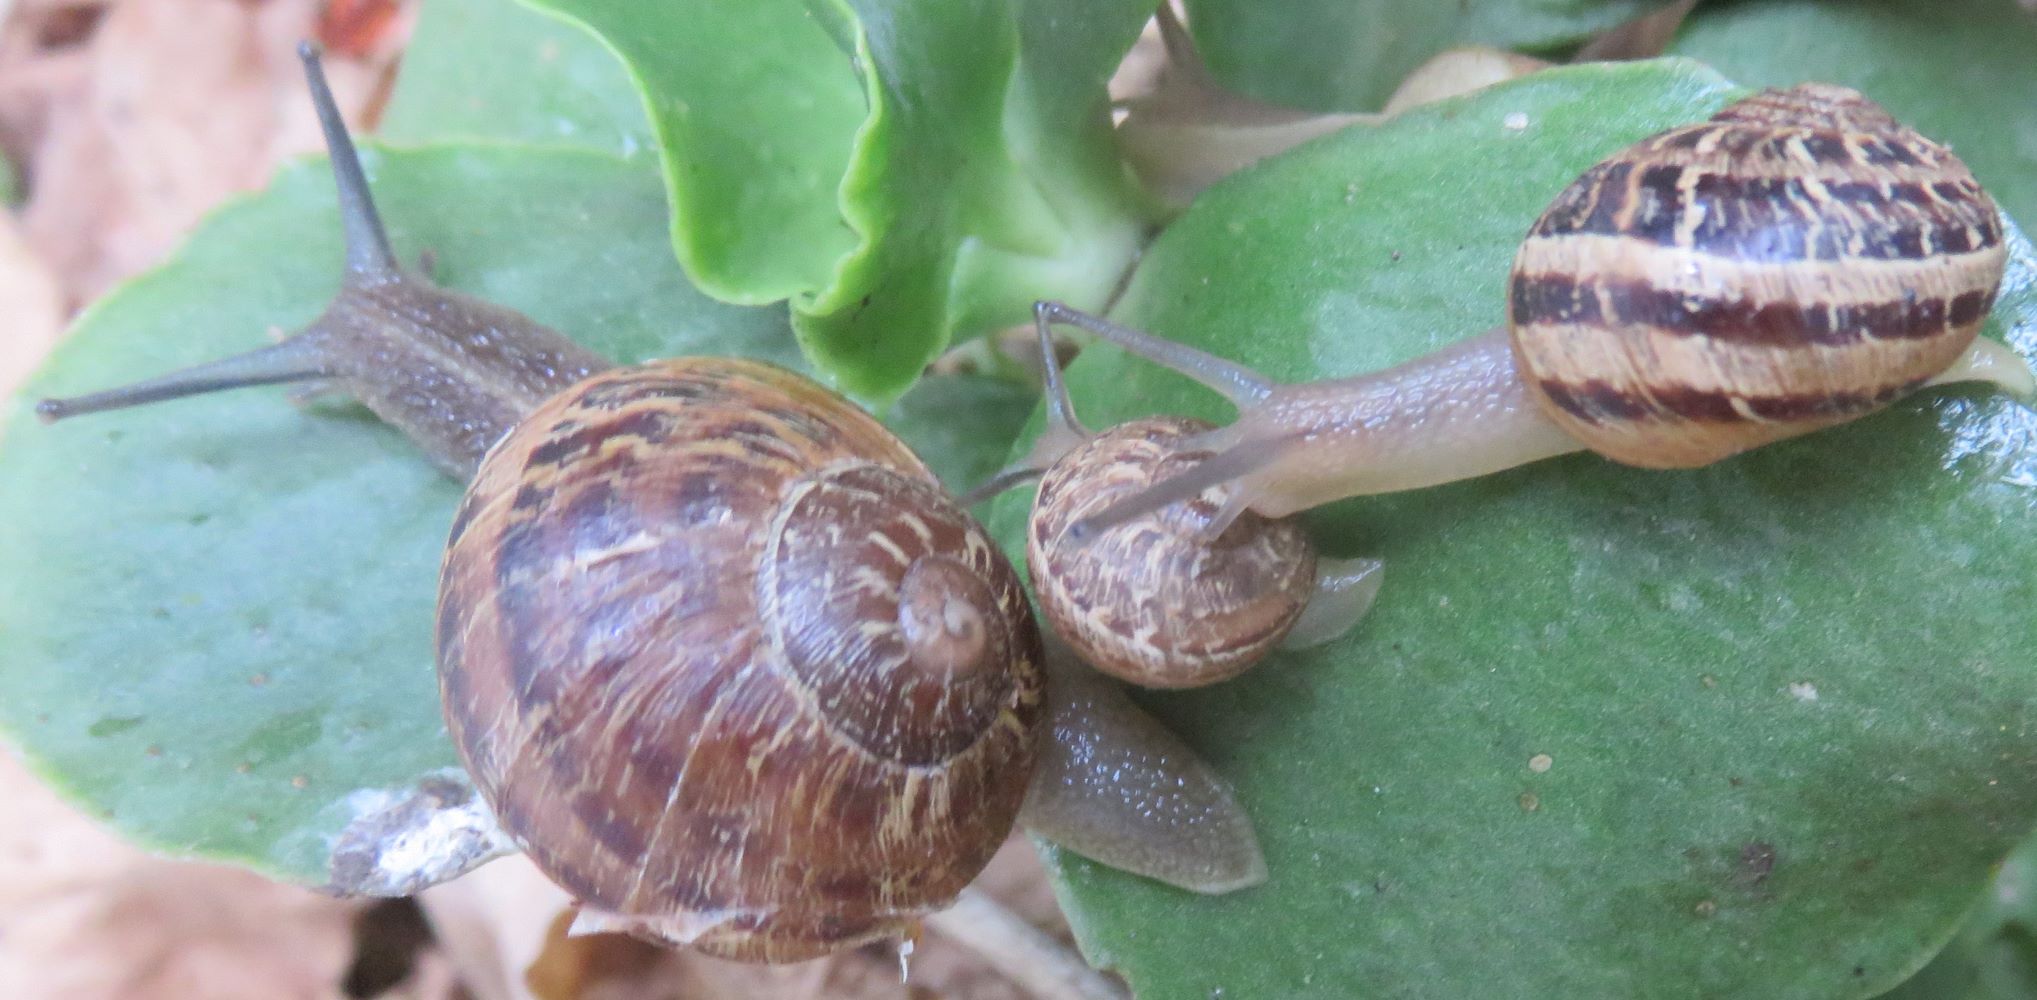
85 916
505 925
180 104
31 303
358 29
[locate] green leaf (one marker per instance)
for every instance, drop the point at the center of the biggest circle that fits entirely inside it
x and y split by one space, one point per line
1786 699
903 172
962 425
1994 956
1341 55
496 69
1960 71
215 614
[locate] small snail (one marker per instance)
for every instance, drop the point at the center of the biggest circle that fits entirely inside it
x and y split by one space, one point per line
718 650
1153 601
1799 260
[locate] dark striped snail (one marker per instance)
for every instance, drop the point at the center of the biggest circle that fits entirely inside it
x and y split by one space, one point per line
717 649
1799 260
1155 601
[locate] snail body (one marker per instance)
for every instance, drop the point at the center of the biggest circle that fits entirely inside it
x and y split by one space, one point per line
1797 261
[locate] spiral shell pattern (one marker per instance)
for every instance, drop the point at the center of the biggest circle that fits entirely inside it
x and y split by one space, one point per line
1150 601
1796 261
730 666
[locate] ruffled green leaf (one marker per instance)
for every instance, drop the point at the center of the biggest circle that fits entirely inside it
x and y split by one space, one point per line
904 173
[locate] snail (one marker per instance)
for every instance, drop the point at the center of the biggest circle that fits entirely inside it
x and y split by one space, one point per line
1153 601
1797 261
720 653
634 637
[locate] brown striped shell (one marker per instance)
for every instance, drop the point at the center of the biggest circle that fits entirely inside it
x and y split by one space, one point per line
1150 601
729 664
1796 261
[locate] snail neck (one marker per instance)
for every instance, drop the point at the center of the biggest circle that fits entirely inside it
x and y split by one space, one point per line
1456 413
452 372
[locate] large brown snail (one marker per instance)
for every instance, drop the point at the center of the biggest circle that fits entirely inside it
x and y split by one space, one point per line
719 652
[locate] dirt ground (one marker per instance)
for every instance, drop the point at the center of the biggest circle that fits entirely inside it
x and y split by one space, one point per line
122 123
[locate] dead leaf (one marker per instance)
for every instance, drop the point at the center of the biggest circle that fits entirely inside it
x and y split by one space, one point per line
358 29
504 926
83 916
1454 72
171 107
32 303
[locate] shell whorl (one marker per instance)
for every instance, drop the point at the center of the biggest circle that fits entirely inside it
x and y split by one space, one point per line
730 666
1150 601
1796 261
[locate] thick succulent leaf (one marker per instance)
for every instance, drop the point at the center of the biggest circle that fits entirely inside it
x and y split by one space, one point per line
1778 709
497 69
215 614
1994 957
1349 55
1961 71
902 172
962 424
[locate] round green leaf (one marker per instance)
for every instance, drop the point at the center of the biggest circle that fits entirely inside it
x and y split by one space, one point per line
496 69
1785 700
215 614
1994 957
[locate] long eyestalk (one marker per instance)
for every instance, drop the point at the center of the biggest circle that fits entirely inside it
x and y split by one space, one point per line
368 252
1064 431
293 360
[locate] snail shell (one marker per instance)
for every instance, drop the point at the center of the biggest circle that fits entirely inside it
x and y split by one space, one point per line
1155 601
1796 261
730 666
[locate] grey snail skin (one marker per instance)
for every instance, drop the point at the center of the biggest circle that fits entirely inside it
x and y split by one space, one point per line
718 651
1799 260
1152 601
